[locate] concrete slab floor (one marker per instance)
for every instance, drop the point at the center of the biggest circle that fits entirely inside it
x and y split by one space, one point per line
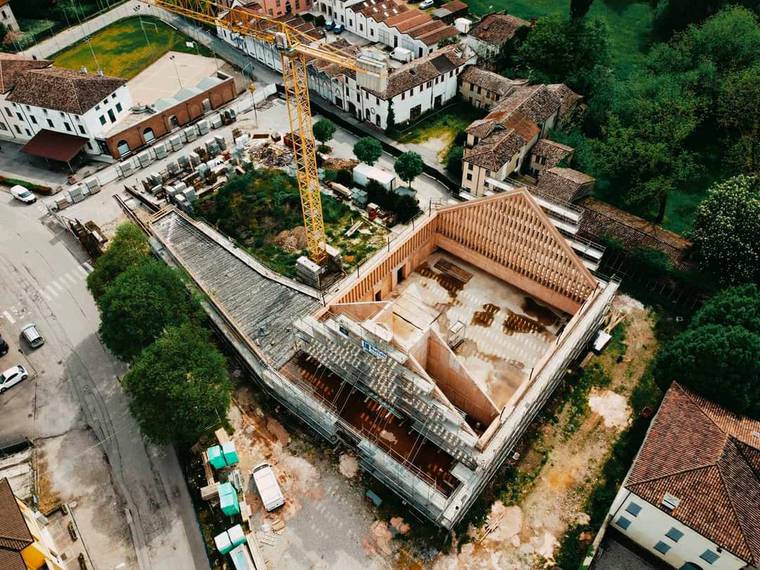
507 332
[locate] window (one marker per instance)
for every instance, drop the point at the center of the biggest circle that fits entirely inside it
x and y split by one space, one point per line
111 116
68 126
3 127
17 129
34 119
8 112
97 107
148 135
118 107
81 130
661 547
102 120
469 177
709 556
122 147
623 522
20 118
633 509
674 534
28 132
113 95
61 113
50 124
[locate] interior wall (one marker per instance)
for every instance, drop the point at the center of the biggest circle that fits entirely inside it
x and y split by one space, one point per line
454 381
358 311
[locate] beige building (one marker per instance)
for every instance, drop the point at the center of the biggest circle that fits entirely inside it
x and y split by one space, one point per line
484 89
7 17
692 497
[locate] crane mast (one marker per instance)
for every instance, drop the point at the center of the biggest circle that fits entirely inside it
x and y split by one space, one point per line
295 53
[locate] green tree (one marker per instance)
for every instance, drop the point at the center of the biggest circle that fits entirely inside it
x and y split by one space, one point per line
140 304
579 8
454 161
736 306
738 115
408 166
726 230
716 361
558 49
677 15
324 130
390 123
644 151
178 387
368 150
129 247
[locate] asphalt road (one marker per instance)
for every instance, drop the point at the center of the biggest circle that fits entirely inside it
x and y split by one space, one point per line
132 504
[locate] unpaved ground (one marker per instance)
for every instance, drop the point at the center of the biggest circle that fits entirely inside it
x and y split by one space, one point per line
327 521
526 535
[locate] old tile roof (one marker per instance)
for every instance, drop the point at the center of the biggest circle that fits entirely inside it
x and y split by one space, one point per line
534 101
709 459
497 29
553 152
423 69
62 89
12 64
493 82
502 143
333 69
564 184
569 99
455 6
14 534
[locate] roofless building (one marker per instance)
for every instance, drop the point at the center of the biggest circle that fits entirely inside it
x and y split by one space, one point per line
429 362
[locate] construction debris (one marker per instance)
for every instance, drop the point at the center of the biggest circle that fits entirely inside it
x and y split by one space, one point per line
271 155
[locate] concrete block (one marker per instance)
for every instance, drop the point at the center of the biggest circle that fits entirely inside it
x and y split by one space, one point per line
160 150
175 142
190 134
203 127
216 121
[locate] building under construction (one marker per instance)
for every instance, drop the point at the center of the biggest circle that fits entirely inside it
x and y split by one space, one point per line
429 362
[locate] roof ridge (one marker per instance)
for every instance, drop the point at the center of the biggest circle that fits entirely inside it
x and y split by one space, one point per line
729 495
681 472
693 399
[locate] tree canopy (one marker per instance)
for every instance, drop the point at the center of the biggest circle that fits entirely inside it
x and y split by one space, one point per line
738 114
368 150
560 49
717 354
324 130
408 166
128 247
140 304
726 230
179 387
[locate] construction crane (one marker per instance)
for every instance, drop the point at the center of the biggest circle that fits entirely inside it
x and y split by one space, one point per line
295 52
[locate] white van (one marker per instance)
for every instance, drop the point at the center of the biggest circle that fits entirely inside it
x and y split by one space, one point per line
267 486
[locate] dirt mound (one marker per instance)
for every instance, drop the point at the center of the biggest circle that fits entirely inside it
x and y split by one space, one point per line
291 240
349 466
339 163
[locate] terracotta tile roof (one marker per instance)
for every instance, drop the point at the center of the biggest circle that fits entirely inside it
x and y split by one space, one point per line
709 459
62 89
406 19
534 101
502 143
497 29
12 64
455 6
493 82
569 99
423 69
14 534
553 152
436 35
564 184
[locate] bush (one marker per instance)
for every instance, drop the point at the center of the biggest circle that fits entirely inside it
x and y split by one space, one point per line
404 206
345 177
454 161
37 188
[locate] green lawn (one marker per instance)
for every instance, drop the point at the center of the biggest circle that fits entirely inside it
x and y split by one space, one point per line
629 22
121 49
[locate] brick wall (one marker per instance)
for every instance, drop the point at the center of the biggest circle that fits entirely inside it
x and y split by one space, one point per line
185 112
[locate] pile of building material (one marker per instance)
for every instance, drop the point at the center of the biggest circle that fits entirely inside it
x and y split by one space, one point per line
16 466
78 193
271 155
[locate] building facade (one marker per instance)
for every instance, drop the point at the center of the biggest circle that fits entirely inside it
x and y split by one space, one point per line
692 496
7 18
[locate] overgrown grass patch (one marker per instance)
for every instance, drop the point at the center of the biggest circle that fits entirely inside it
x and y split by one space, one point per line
126 47
261 211
444 124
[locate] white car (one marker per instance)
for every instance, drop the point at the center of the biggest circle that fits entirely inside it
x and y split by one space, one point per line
12 376
21 193
426 4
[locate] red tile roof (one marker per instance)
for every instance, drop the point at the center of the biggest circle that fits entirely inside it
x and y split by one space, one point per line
497 29
709 459
14 534
12 64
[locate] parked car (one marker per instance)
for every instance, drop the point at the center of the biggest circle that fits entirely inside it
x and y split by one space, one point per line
427 4
329 25
22 194
32 336
339 29
267 486
12 376
3 347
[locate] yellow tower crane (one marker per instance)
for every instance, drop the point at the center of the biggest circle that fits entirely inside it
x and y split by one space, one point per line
295 52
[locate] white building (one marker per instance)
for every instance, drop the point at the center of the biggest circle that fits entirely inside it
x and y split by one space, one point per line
7 18
38 99
389 22
692 496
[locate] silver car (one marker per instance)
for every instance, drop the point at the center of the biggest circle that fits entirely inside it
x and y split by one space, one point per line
32 336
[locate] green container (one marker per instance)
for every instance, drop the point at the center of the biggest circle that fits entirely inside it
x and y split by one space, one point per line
230 455
228 500
216 457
